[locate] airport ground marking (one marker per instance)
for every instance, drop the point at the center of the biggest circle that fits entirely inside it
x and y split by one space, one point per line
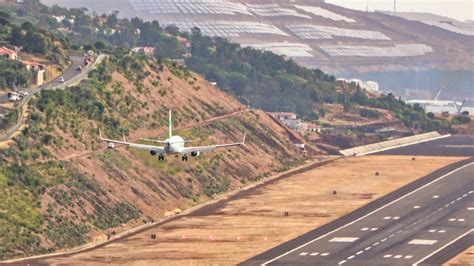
443 247
426 242
370 213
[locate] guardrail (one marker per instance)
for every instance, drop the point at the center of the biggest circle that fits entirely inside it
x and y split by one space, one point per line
392 144
8 134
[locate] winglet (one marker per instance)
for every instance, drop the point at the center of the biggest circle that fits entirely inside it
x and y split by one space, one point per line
243 140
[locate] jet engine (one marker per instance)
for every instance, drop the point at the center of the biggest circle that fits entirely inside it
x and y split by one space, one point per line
153 152
110 146
195 153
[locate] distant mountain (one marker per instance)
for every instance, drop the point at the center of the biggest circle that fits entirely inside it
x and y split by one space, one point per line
313 33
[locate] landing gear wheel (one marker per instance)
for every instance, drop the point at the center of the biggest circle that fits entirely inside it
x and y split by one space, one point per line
185 158
161 157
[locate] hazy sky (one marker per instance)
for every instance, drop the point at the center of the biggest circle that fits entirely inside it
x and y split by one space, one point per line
457 9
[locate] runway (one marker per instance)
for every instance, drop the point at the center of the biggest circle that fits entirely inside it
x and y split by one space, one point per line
425 222
457 145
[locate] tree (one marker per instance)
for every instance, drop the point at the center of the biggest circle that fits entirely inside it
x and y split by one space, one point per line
36 43
99 45
4 18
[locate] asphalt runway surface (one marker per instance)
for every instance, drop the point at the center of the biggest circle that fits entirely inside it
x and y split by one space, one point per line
426 222
457 145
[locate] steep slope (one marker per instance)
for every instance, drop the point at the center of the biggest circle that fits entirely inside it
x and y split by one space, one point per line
60 188
315 34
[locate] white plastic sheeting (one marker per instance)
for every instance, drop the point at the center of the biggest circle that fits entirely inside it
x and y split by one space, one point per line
220 7
399 50
318 11
227 29
317 32
274 10
284 48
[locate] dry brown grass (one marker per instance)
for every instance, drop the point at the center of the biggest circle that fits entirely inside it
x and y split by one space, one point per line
252 224
465 258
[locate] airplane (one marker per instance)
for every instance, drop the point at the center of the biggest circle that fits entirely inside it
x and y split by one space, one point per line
173 145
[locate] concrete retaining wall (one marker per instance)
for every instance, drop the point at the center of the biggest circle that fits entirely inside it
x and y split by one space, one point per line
392 144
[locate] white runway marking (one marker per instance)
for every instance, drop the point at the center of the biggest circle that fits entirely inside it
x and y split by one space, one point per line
351 257
461 220
442 231
344 239
396 217
387 217
422 242
416 207
470 209
325 254
371 213
452 220
303 253
432 231
364 229
374 229
359 252
435 196
387 256
443 247
397 256
314 254
408 257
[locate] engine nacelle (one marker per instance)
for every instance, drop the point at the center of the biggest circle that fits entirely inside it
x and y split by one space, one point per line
195 153
153 152
110 146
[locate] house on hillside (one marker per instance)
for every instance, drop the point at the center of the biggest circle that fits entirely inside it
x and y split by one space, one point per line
148 51
7 53
283 115
37 71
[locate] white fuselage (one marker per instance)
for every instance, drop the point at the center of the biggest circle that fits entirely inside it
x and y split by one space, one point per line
174 145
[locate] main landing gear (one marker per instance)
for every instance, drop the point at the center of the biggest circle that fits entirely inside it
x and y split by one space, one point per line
161 157
184 158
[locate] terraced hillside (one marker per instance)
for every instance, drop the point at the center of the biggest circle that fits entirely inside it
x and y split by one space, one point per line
313 33
61 188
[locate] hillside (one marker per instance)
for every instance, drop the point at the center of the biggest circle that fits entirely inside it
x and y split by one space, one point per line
61 188
315 34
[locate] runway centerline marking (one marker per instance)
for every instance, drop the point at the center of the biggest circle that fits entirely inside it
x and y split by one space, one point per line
372 212
428 242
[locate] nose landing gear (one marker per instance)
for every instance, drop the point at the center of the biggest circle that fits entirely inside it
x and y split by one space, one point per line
184 158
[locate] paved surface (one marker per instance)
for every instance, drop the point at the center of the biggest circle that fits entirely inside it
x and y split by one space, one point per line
457 145
427 221
68 74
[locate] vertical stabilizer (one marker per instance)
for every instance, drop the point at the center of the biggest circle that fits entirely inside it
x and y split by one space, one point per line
170 126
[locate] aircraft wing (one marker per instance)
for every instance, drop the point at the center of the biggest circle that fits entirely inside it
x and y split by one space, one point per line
201 149
154 148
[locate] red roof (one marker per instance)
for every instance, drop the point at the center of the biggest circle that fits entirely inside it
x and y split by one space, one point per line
6 51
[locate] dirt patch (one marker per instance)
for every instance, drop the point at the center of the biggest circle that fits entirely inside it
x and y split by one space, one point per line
465 258
249 225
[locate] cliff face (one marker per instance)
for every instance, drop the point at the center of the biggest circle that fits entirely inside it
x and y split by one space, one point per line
62 188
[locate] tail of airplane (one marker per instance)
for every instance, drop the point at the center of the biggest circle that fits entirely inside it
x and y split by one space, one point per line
170 126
